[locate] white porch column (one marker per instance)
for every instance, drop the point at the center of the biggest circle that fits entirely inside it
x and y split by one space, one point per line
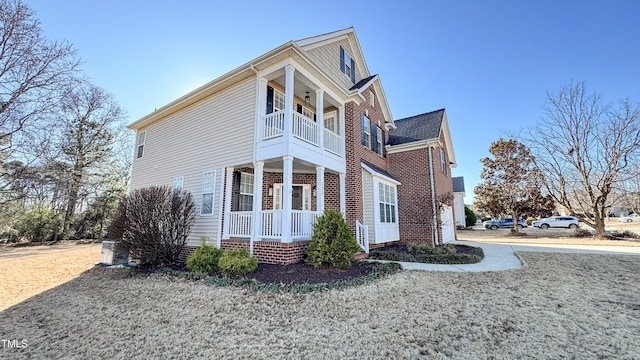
287 183
227 201
288 102
343 195
256 234
320 116
341 120
320 188
261 110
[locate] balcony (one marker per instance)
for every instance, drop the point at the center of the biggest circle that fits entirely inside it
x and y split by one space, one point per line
302 128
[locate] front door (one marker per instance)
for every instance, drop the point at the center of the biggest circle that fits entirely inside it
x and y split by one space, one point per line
296 198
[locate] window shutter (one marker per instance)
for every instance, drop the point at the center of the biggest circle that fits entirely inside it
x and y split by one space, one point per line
374 139
341 59
353 71
299 108
269 99
235 203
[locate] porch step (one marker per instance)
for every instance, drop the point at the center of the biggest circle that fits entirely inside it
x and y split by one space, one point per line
361 255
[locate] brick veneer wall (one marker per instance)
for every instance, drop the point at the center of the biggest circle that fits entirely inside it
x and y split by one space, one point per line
355 152
415 209
268 252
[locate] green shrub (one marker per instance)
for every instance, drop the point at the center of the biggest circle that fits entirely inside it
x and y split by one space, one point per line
439 255
204 259
530 221
332 243
237 262
40 224
433 250
470 217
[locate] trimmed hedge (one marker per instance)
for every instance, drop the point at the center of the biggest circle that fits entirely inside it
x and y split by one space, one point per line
204 259
237 262
434 256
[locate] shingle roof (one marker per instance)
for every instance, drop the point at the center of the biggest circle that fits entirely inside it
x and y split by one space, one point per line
418 127
379 170
458 184
361 83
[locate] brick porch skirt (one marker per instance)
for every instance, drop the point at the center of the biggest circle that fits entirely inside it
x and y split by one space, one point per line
268 252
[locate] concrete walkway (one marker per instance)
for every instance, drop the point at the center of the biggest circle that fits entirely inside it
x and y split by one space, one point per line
498 256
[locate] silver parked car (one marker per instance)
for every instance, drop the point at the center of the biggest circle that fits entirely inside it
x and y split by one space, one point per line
570 222
629 218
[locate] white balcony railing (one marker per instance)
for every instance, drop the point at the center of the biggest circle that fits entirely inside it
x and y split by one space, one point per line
240 223
302 221
305 128
333 142
273 124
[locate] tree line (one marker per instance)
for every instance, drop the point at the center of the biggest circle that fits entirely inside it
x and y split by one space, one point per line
581 157
65 155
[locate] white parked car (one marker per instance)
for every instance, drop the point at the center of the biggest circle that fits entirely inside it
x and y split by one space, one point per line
629 218
570 222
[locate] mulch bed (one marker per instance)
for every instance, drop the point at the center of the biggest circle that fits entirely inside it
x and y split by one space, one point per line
402 248
299 273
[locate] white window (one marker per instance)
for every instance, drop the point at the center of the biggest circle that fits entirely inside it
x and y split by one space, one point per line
177 183
208 186
347 65
303 204
366 131
387 202
278 100
307 113
141 138
443 165
246 192
372 99
331 122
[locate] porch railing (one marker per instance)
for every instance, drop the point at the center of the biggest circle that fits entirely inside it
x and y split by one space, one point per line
362 235
240 223
273 124
333 142
305 128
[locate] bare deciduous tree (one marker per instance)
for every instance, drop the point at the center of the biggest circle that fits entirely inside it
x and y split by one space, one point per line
89 120
33 70
584 149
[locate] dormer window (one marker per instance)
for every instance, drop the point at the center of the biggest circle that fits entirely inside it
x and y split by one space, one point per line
347 65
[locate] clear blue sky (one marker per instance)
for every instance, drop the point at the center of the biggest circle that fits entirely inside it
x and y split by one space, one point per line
489 63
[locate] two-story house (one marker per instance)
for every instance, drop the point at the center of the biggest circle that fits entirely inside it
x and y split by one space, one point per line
267 147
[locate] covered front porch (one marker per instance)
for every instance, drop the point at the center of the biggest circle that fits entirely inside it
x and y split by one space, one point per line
277 202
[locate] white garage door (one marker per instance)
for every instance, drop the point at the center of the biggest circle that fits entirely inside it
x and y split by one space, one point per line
448 231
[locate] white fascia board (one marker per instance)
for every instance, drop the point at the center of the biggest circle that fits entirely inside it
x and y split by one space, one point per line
378 175
448 142
319 40
414 145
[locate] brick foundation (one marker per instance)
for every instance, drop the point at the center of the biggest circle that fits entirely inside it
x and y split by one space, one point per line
268 252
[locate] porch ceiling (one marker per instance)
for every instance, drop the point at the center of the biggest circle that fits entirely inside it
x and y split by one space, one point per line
301 85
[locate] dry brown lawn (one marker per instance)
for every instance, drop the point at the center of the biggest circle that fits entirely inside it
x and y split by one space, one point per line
558 306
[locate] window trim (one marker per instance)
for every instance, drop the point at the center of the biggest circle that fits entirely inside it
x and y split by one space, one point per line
141 140
380 141
366 135
241 204
212 192
390 214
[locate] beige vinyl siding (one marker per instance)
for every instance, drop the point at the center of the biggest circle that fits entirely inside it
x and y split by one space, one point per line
212 134
368 214
327 57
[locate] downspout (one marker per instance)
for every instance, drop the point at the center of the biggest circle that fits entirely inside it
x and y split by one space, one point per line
433 199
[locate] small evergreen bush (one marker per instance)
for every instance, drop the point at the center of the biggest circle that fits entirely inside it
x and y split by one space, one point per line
470 217
237 262
433 250
332 243
204 259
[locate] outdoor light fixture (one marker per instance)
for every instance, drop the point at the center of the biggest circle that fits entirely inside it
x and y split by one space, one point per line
306 99
313 191
270 190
